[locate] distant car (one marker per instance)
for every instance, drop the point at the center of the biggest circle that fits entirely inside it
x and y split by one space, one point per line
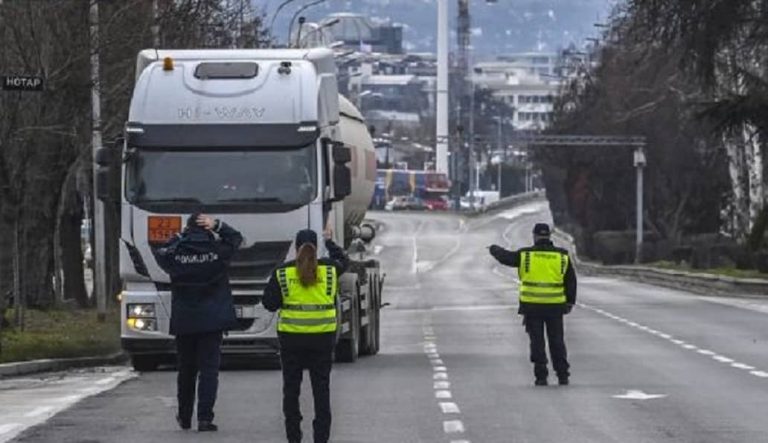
436 204
397 204
405 203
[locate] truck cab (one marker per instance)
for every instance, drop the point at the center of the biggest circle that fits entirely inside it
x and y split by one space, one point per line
252 137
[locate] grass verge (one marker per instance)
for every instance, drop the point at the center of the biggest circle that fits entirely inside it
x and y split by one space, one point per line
61 334
727 272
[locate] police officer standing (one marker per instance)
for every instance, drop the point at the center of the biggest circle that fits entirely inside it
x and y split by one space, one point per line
547 292
305 291
202 309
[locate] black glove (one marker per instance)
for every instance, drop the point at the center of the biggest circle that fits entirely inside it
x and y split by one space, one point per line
495 249
568 308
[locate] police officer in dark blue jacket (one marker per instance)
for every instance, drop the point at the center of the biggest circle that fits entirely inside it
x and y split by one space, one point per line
202 309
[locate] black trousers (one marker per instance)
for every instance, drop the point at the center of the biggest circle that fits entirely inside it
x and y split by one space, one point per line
318 362
535 325
199 357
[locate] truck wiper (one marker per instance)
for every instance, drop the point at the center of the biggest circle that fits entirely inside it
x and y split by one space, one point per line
170 201
251 200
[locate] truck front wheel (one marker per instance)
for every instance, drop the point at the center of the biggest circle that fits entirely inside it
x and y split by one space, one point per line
347 348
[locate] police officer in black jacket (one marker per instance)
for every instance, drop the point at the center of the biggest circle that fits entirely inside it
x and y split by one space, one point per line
547 292
202 309
305 291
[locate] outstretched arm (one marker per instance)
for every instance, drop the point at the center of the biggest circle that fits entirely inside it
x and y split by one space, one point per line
505 257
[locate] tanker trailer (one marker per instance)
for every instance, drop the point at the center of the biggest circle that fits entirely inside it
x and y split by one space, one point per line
279 151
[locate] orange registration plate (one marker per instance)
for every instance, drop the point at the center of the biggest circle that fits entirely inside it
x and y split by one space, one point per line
161 228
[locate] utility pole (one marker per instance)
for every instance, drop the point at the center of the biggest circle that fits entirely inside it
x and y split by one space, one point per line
99 249
155 24
472 159
441 137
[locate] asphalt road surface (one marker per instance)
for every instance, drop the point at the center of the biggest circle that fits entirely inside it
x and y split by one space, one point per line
648 364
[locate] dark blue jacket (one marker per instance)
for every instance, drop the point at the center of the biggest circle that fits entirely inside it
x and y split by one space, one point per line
198 265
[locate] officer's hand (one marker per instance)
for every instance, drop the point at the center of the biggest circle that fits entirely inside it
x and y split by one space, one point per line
206 222
495 249
328 232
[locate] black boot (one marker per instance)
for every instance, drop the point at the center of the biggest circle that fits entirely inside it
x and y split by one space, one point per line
184 424
562 381
206 426
541 382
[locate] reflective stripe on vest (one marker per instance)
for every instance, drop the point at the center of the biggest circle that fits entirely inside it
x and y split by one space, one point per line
542 277
308 310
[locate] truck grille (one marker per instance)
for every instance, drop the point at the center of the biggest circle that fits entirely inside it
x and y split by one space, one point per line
256 263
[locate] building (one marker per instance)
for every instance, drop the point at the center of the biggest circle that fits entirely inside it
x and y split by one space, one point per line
528 86
357 32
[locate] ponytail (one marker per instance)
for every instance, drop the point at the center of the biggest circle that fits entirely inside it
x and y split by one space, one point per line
306 263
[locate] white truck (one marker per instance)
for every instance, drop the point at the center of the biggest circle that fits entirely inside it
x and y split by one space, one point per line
262 140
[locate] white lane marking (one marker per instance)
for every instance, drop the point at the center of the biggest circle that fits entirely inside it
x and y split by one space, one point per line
742 366
105 381
67 399
453 427
9 427
437 362
440 376
43 410
377 249
638 395
449 408
442 385
683 344
443 394
459 441
440 369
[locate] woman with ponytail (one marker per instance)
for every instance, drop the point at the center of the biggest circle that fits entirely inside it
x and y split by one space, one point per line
304 290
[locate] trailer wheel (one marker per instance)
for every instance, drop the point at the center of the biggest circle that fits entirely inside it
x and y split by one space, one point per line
144 363
370 344
347 348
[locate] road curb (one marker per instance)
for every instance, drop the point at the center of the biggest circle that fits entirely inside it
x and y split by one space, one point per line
699 283
58 364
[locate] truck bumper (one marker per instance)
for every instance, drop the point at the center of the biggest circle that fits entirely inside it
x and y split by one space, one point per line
232 345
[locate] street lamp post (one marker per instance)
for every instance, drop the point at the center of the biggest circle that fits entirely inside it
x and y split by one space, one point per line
639 161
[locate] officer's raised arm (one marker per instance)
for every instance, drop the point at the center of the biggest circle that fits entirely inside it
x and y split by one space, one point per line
505 257
336 254
273 296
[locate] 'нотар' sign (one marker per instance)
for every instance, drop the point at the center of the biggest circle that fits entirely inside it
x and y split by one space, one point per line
22 83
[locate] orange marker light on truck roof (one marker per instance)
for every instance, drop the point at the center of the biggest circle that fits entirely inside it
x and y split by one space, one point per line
167 64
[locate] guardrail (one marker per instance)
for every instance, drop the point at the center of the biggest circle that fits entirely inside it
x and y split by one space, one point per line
700 283
509 202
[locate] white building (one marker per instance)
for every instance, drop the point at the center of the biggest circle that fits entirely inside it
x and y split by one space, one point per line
529 89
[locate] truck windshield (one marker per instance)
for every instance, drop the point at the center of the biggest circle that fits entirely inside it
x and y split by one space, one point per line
264 177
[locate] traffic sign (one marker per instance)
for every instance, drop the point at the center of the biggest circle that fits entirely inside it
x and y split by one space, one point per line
22 83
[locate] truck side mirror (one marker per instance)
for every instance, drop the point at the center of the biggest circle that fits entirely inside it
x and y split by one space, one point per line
105 156
105 190
342 182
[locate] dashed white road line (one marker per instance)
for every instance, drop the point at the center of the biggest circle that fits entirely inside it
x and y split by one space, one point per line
43 410
715 356
453 426
449 408
442 386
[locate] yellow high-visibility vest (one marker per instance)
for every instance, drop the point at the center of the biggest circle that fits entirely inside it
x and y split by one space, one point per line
311 309
542 277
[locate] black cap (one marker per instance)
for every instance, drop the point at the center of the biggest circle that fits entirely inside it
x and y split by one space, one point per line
306 236
542 230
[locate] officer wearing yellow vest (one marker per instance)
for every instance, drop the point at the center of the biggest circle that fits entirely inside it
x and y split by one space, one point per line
305 290
547 292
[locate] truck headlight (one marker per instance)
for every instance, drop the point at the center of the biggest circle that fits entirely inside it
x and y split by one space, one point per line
141 310
142 324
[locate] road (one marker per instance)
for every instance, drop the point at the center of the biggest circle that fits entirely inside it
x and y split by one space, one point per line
648 364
